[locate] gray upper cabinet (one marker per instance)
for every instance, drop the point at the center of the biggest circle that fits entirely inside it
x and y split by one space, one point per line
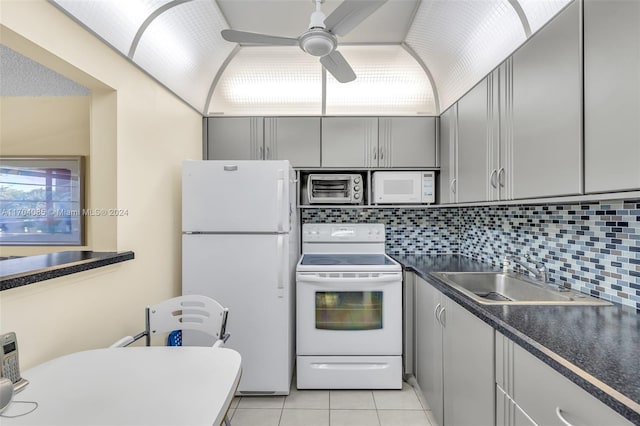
235 138
350 142
612 95
448 155
546 114
472 145
296 139
407 142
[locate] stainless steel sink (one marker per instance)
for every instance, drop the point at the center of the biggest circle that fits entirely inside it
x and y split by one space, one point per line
495 288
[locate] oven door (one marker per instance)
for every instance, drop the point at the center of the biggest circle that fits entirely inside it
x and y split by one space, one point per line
347 313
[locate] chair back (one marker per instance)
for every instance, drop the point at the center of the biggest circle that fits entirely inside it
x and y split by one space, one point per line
189 312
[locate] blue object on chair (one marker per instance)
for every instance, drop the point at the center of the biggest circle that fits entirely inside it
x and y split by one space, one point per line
175 338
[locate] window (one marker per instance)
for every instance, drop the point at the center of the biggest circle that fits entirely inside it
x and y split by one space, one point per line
41 201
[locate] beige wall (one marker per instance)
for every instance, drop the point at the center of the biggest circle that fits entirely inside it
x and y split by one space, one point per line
44 126
139 135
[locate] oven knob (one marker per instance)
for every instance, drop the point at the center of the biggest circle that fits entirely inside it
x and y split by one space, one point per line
356 188
356 181
356 196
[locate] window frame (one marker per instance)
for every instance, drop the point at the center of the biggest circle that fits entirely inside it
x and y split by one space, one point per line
76 218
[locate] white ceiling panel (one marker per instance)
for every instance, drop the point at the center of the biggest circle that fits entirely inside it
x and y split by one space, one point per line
389 82
269 80
117 22
457 41
462 41
183 49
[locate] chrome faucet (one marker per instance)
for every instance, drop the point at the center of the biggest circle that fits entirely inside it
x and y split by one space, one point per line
539 272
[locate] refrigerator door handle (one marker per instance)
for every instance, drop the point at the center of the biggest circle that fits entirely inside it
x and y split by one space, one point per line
280 200
281 266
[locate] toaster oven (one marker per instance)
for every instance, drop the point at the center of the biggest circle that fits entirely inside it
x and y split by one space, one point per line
330 188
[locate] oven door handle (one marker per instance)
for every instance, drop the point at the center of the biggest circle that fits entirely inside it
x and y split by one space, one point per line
347 280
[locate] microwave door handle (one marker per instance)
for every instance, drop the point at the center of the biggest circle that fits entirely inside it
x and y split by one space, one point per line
309 184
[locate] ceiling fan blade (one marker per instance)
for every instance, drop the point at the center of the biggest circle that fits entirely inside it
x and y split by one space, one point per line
349 14
246 37
338 66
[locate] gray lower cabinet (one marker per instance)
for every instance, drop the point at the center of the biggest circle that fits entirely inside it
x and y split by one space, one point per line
454 360
611 95
448 155
429 347
234 138
546 396
472 133
546 110
407 142
296 139
350 142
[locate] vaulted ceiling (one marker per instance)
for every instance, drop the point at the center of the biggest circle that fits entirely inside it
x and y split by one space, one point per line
410 56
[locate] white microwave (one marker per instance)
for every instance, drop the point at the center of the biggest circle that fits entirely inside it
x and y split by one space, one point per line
404 187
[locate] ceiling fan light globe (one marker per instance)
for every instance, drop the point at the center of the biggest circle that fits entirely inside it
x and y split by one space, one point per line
318 47
318 42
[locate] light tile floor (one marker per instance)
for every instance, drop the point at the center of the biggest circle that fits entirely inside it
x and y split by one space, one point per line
332 408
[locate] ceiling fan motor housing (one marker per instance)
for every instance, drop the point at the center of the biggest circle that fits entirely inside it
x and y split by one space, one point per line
318 42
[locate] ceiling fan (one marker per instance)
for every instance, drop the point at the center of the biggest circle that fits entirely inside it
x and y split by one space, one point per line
320 39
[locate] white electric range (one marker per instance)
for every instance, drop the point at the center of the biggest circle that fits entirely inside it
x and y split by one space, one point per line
349 309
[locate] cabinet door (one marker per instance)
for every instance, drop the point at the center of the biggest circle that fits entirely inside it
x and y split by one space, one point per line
469 378
296 139
349 142
235 138
611 95
407 142
448 155
542 392
473 176
547 151
429 347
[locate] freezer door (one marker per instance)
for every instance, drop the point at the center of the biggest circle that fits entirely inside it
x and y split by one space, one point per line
252 275
237 196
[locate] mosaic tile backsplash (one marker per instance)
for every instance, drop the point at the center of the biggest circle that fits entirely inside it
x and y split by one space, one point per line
593 247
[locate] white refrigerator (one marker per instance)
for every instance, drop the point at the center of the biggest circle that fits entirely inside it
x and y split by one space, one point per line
240 247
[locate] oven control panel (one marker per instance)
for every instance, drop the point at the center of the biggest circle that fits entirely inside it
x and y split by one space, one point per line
337 232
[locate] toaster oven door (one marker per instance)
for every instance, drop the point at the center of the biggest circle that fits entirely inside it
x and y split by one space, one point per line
329 189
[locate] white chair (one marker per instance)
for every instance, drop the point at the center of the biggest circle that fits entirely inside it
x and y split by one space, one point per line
191 312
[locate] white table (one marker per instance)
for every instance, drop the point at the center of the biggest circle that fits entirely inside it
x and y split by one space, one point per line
132 386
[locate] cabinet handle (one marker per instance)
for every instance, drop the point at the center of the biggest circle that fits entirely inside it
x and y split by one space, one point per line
492 176
501 176
442 317
381 154
267 155
260 153
561 417
436 313
375 154
452 187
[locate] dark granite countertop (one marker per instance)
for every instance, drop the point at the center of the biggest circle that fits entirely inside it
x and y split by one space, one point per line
597 348
19 271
